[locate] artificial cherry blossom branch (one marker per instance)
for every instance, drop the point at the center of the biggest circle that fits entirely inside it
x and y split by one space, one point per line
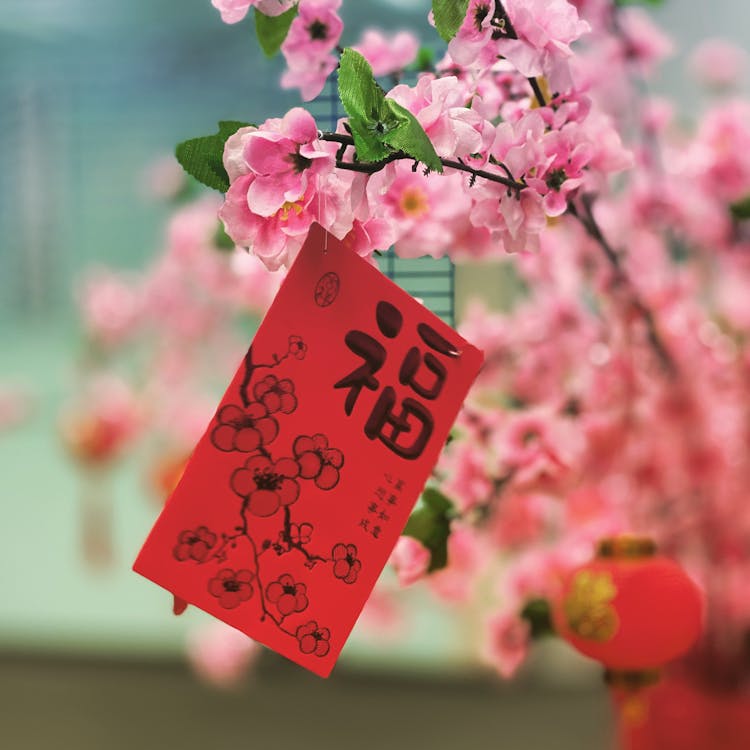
516 186
589 223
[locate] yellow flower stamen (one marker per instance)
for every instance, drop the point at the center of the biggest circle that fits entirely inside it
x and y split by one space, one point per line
283 212
413 203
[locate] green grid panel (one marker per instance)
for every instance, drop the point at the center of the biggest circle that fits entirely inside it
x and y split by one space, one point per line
431 280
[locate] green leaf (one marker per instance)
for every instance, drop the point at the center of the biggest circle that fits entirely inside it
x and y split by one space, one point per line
430 524
379 126
222 240
436 501
449 15
409 136
655 3
538 614
272 30
741 209
425 59
368 144
364 103
203 157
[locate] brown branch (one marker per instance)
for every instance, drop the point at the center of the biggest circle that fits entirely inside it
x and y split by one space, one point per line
516 186
589 223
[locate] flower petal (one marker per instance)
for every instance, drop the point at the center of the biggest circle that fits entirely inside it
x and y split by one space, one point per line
243 482
303 444
268 429
272 401
230 413
287 403
223 437
263 503
287 467
328 478
247 439
259 463
274 591
288 492
307 644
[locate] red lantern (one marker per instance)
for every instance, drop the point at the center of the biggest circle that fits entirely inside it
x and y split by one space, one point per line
629 608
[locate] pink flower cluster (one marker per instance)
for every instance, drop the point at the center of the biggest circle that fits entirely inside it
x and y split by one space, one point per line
309 46
283 178
192 293
277 173
544 31
233 11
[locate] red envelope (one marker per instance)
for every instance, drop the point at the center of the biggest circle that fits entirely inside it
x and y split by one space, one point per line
291 504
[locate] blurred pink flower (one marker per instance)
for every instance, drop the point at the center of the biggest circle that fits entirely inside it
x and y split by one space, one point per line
382 617
410 559
111 306
645 44
507 640
221 655
233 11
468 482
15 405
718 63
467 554
387 54
164 179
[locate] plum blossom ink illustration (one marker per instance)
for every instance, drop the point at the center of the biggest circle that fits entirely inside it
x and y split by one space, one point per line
267 487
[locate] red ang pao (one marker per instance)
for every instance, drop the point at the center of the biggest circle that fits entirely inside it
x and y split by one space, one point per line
297 492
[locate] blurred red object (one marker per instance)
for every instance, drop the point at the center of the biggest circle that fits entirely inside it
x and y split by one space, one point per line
629 608
681 714
92 439
166 471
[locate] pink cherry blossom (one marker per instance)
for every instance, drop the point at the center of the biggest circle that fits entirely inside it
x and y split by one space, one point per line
276 174
475 32
283 155
383 618
468 482
111 306
220 654
718 63
423 209
410 559
311 78
545 29
164 179
467 553
312 37
645 44
387 54
233 11
507 642
440 106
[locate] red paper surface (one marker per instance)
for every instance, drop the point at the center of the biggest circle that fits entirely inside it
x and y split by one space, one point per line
289 507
